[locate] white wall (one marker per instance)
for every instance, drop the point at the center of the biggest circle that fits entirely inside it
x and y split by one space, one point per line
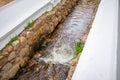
15 16
98 59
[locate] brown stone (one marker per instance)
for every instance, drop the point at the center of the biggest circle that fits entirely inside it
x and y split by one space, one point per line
11 56
5 53
55 20
37 55
15 43
51 28
31 63
84 38
72 67
31 42
58 15
38 35
17 59
10 48
23 61
1 57
37 67
24 52
11 73
60 25
0 67
44 29
35 78
36 26
44 20
74 62
7 67
29 34
22 40
27 46
3 61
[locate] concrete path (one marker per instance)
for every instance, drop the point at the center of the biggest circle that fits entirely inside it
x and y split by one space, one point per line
98 60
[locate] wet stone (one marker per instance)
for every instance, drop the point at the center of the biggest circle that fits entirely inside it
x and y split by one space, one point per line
37 55
51 71
37 67
61 71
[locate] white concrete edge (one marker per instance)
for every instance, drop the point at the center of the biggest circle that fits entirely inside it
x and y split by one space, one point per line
19 27
98 59
118 44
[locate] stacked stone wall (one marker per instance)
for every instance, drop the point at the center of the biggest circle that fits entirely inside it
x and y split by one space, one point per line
16 55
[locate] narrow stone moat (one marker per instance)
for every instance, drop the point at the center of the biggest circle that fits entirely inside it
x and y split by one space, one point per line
54 52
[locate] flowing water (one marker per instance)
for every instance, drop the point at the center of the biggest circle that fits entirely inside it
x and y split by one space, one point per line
54 63
62 50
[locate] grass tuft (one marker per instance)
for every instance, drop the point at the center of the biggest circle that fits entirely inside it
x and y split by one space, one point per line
46 12
78 48
12 40
30 24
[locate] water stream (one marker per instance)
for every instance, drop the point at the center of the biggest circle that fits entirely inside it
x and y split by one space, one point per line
54 63
62 50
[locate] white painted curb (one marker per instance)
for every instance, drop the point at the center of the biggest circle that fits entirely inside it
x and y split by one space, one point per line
98 59
15 16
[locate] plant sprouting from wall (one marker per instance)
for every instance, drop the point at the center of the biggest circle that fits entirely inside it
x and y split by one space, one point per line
30 24
78 48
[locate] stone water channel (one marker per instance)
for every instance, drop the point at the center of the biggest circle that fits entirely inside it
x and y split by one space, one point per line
55 52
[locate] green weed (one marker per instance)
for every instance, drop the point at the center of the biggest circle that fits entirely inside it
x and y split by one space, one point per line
30 24
78 48
12 40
